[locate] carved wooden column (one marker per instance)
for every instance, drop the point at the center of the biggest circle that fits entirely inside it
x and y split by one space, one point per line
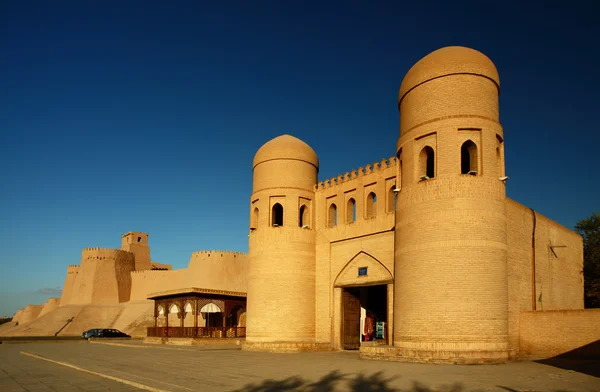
195 308
181 313
155 315
167 311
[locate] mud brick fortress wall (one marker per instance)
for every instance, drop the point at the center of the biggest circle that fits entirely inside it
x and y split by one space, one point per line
219 270
103 277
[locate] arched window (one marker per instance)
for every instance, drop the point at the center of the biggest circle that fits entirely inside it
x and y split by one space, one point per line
303 216
391 207
277 215
426 163
254 221
332 216
371 205
174 309
351 211
468 158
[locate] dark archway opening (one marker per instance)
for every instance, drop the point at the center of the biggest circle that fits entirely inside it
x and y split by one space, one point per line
277 215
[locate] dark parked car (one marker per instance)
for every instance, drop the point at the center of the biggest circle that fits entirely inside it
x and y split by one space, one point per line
104 333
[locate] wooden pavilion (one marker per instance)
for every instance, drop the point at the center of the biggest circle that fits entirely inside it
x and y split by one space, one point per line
198 313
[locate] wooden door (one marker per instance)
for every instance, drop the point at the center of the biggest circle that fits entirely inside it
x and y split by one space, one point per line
351 321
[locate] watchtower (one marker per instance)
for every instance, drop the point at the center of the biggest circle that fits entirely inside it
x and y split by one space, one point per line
451 299
137 243
281 270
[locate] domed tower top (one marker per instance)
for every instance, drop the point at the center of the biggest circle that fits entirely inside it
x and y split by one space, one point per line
451 60
451 82
286 147
285 162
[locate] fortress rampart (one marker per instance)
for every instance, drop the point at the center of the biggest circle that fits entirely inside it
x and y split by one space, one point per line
146 282
104 277
220 270
67 292
49 306
30 313
17 316
223 270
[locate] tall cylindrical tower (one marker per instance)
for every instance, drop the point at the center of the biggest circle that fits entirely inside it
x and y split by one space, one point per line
451 290
281 270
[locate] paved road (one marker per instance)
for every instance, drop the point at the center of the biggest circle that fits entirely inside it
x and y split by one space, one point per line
20 373
167 368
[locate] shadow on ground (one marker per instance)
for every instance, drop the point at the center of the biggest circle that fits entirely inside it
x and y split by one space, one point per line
585 359
336 381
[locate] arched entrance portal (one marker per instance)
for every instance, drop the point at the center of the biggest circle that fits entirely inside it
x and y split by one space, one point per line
365 315
364 291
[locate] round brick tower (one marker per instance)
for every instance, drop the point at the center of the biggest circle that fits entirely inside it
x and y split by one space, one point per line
281 270
451 298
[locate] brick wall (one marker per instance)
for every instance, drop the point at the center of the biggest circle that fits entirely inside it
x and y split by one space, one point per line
558 271
544 334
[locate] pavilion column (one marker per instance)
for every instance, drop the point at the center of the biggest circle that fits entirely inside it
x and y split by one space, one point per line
167 311
181 313
155 314
196 313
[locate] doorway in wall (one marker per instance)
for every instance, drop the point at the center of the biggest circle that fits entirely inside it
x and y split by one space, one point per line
364 315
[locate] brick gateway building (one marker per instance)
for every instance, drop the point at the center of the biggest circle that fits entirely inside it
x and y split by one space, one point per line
426 241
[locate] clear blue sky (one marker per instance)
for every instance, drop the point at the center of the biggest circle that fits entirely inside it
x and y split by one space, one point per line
114 114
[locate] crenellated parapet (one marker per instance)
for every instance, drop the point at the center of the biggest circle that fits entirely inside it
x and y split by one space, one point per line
150 272
357 173
217 253
107 253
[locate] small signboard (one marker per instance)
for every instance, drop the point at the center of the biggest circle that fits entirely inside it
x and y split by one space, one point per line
362 271
380 330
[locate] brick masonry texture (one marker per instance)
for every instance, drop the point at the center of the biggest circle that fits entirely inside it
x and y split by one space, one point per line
549 333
